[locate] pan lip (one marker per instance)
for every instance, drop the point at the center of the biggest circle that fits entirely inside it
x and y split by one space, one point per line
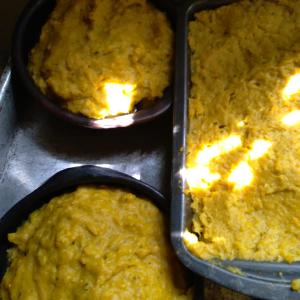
19 67
257 279
70 178
249 285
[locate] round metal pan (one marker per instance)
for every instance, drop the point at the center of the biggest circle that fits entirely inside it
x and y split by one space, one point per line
66 181
26 35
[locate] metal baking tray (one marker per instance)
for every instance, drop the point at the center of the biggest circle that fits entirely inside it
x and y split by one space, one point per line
34 145
260 279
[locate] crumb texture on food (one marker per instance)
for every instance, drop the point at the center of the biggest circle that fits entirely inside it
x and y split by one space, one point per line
101 58
295 285
243 162
94 243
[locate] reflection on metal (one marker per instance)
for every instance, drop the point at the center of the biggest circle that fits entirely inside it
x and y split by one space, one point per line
119 121
4 81
189 237
137 176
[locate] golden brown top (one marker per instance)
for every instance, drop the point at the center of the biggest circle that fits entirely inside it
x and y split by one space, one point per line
93 243
100 58
243 142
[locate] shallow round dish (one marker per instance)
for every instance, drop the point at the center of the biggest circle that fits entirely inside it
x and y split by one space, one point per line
26 35
66 181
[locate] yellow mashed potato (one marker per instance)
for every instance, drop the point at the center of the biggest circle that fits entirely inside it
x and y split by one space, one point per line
243 161
101 58
295 285
93 243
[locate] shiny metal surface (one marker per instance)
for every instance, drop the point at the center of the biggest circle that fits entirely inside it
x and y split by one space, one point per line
35 145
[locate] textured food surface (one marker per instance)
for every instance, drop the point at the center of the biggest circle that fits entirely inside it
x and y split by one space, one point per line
94 243
295 285
243 160
102 57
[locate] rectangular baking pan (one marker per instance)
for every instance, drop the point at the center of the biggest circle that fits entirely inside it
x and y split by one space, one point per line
259 279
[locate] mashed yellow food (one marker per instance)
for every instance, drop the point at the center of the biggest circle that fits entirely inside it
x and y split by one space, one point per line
295 285
243 162
100 58
94 243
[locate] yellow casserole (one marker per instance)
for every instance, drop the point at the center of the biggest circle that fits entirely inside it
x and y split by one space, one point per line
243 162
101 58
295 285
94 243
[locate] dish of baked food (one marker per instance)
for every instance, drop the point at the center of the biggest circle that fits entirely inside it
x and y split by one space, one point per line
94 243
103 58
243 137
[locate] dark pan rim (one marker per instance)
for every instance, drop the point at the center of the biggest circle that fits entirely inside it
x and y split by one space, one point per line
65 181
256 279
159 107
